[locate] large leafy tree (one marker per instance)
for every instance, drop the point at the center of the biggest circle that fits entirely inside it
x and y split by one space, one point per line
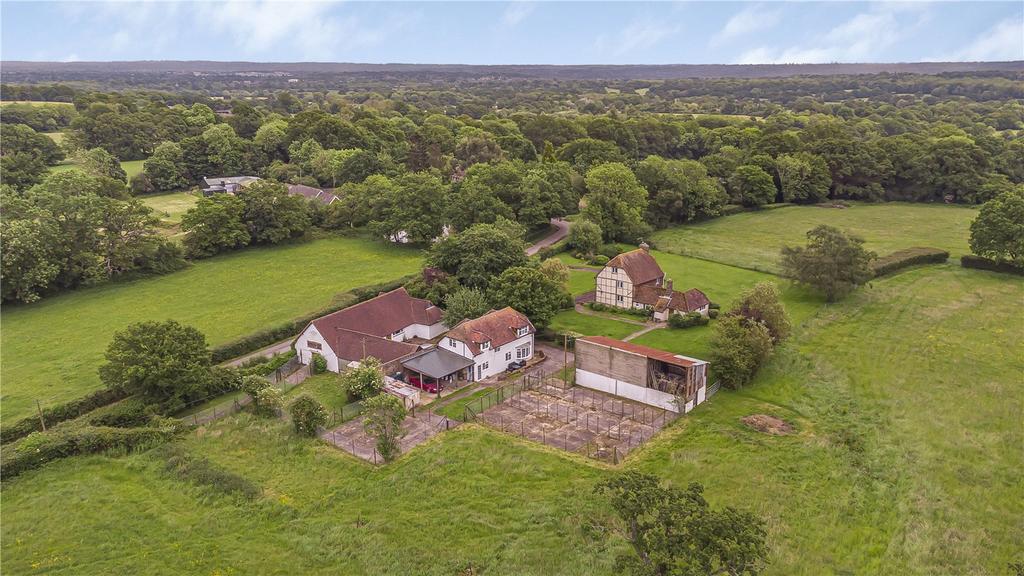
763 303
414 209
214 225
166 167
163 362
675 532
530 291
464 303
998 231
477 255
803 177
475 203
99 162
30 263
585 153
739 347
833 262
584 237
271 214
751 186
615 201
678 190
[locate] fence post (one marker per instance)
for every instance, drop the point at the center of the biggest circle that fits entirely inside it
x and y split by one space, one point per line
374 455
195 420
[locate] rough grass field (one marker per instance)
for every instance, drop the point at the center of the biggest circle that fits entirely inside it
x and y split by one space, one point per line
325 388
51 349
170 207
905 398
754 239
131 167
572 321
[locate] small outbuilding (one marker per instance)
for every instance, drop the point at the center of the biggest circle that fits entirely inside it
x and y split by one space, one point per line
648 375
436 367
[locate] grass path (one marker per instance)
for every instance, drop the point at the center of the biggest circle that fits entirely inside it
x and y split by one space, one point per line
51 349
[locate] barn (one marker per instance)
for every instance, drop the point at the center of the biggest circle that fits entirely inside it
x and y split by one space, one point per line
648 375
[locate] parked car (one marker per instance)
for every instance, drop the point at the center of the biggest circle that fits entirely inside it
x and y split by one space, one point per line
425 386
512 367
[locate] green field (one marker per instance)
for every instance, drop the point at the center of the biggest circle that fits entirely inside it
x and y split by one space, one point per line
170 207
131 167
906 400
754 239
572 321
51 349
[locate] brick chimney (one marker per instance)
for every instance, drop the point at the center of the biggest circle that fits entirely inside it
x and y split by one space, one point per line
645 246
668 285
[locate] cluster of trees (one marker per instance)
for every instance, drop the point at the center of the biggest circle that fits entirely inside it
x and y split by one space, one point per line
261 213
75 228
39 117
25 156
487 268
743 338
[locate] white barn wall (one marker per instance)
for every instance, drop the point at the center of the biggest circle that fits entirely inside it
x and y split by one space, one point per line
636 392
305 353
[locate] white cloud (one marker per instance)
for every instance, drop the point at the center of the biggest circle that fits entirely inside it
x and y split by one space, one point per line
862 38
516 12
746 21
640 34
1004 41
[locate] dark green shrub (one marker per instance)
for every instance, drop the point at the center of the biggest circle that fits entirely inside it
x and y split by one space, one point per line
42 447
61 412
307 415
714 306
319 364
599 260
609 251
553 250
713 313
981 263
205 473
687 320
908 257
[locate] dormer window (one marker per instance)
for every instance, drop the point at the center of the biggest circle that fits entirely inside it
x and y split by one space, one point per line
451 342
485 345
522 331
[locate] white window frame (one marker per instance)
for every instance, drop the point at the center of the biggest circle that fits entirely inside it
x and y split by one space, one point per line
523 331
508 356
485 345
451 343
523 352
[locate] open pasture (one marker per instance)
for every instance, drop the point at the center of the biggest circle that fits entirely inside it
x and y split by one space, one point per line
754 239
51 349
905 403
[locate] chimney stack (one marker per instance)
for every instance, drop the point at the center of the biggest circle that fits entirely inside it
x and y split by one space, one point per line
668 285
645 246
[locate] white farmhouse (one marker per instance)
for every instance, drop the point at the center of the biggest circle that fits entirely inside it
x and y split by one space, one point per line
493 341
388 327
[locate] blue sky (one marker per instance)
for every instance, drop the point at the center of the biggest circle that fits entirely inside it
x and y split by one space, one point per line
514 32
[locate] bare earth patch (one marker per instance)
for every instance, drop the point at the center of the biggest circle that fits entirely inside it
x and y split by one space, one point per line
768 424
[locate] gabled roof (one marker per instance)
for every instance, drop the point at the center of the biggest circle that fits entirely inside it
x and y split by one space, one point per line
497 327
382 315
303 190
661 297
639 265
352 345
661 355
436 362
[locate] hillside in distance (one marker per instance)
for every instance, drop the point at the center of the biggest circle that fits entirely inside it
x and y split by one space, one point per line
20 71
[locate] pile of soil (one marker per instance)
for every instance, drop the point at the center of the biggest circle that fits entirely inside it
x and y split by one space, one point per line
768 424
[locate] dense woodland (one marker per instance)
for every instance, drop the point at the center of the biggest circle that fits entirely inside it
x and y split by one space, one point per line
409 157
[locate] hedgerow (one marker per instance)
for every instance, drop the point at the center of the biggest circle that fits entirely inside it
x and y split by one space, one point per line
908 257
61 412
982 263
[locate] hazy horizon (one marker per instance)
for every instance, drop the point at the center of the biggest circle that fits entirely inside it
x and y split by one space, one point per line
515 33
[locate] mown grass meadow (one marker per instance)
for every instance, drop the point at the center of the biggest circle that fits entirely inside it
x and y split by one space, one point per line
52 348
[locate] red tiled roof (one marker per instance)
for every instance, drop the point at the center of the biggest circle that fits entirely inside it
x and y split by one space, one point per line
663 356
661 298
639 265
350 345
382 315
497 327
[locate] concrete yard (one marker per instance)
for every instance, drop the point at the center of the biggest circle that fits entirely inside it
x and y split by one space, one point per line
578 419
352 438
